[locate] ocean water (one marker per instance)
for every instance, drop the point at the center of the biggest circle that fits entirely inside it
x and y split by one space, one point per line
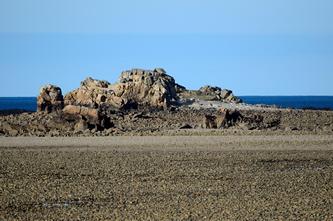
309 102
18 103
296 102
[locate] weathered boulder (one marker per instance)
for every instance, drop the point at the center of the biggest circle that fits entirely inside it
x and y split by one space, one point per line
135 87
216 93
50 99
79 112
94 118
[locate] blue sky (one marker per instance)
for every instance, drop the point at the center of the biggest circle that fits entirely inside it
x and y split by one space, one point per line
258 47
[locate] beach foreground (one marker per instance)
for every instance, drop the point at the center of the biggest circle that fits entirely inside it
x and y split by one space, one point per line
161 178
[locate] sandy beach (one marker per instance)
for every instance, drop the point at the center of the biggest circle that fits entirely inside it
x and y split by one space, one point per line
230 177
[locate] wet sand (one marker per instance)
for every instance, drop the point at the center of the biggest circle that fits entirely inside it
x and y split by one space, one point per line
231 177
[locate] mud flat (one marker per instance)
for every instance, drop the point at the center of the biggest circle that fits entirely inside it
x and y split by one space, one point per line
230 177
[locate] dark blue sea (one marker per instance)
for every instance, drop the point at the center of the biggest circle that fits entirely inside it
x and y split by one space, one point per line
299 102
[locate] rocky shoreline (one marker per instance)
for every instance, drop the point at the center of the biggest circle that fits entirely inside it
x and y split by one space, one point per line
147 102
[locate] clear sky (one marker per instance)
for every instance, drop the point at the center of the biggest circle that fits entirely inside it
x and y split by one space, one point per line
257 47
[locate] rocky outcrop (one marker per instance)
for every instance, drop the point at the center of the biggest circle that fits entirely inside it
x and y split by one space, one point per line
96 104
50 99
216 93
135 87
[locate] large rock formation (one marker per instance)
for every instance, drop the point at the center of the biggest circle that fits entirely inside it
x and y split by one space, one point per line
135 87
50 99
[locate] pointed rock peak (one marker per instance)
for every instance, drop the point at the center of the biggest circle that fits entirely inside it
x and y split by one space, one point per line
89 82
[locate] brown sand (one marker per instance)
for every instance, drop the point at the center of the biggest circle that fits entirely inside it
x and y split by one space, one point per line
229 177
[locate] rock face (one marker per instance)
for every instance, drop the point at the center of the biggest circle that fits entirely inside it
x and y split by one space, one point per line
50 99
136 87
217 93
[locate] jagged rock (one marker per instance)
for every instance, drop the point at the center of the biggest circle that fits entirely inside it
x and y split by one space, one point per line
50 99
209 122
135 87
216 93
222 118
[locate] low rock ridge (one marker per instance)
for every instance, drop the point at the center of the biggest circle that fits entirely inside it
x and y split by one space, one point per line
84 121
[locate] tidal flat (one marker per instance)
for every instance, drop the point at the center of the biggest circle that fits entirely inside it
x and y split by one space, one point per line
229 177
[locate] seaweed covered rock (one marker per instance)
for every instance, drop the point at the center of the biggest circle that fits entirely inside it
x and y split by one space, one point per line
50 99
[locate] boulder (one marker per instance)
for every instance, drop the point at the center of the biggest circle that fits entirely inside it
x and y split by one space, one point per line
81 112
93 117
50 99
